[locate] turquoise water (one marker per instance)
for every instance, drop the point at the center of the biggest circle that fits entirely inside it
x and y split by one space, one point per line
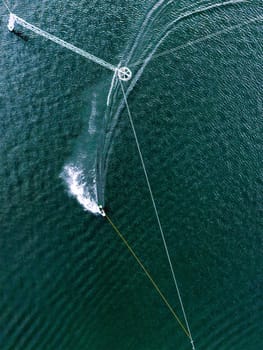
66 281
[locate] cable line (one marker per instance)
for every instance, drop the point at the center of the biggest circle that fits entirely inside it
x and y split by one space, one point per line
6 5
148 275
157 216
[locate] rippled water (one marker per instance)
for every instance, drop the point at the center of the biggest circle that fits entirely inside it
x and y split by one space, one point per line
66 281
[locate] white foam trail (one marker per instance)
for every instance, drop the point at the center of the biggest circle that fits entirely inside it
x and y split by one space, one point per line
74 178
93 115
143 26
171 26
204 38
151 17
113 81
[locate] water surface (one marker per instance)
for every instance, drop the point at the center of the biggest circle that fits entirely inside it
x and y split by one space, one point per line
66 281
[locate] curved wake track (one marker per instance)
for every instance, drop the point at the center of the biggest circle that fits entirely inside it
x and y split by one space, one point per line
85 172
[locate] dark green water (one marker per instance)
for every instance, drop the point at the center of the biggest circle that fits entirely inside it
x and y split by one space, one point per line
66 281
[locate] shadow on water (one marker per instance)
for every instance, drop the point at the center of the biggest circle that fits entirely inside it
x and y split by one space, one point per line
20 35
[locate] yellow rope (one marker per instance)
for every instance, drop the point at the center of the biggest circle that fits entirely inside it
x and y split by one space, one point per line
148 275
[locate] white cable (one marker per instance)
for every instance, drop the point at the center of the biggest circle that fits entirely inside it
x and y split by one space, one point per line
5 4
157 216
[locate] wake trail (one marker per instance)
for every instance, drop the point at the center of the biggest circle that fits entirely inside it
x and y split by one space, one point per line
77 185
199 40
153 15
84 173
89 188
188 14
